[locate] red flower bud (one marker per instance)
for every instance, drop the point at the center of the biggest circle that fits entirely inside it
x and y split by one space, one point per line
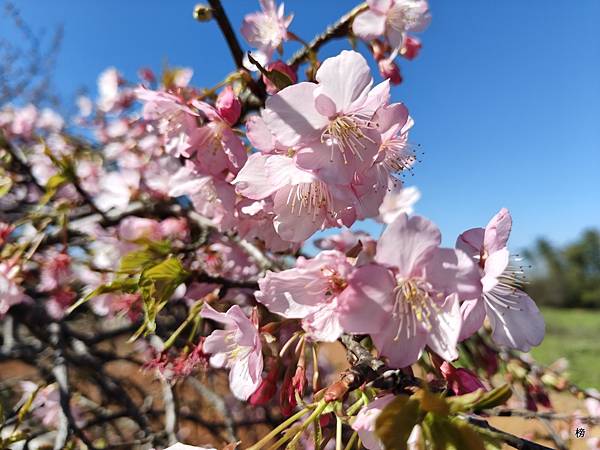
282 67
268 387
411 48
460 381
390 70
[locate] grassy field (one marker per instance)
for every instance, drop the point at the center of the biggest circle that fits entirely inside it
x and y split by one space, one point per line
574 334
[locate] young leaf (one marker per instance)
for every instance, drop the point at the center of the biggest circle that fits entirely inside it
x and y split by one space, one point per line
395 423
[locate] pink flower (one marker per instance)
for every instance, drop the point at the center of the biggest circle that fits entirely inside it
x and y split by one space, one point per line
237 348
174 118
329 295
330 122
134 228
266 30
515 319
117 189
10 292
344 241
364 424
216 144
424 296
395 152
392 18
55 271
46 404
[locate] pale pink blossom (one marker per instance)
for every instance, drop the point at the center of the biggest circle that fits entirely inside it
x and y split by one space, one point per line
135 228
24 121
55 271
515 319
116 189
392 19
593 404
344 241
11 293
216 145
329 295
237 347
423 298
266 30
302 202
364 423
397 200
175 119
330 122
46 404
395 152
211 197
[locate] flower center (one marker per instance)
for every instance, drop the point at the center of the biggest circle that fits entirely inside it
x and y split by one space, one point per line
345 133
309 198
413 305
336 282
399 155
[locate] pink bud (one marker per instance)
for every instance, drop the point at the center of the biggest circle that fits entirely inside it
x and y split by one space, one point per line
412 47
174 227
5 230
228 105
388 69
461 381
287 399
282 67
299 380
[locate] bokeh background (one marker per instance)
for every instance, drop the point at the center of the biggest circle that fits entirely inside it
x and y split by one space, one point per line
506 100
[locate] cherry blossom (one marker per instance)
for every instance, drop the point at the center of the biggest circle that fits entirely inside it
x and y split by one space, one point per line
424 296
331 121
328 294
364 423
10 292
514 317
237 348
266 30
392 19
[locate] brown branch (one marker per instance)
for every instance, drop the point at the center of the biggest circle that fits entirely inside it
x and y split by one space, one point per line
338 30
510 439
228 33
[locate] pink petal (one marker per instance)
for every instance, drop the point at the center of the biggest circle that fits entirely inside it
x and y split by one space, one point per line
443 336
471 241
452 271
242 381
390 119
363 307
381 6
217 343
234 149
328 165
323 324
292 293
497 231
252 180
345 79
495 265
369 25
407 243
292 117
519 324
401 342
377 97
473 315
259 135
208 312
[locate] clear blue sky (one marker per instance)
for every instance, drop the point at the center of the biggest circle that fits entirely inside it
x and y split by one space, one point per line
505 95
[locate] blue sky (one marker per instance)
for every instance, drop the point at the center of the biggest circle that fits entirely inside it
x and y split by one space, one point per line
505 95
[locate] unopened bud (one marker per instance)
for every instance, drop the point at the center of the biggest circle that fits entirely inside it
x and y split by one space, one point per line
461 381
202 13
388 69
411 48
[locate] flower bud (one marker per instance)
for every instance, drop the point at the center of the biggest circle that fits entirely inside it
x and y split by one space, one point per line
390 70
411 48
202 13
299 381
461 381
283 71
228 105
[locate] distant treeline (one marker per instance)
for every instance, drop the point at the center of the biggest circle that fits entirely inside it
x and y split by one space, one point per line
566 276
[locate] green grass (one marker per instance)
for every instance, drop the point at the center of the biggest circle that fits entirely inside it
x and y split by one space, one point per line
575 335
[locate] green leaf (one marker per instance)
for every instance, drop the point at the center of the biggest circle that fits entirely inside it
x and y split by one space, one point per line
149 254
395 423
446 433
480 399
5 185
53 184
128 285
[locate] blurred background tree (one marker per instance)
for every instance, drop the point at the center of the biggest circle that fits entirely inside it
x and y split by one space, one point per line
568 276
